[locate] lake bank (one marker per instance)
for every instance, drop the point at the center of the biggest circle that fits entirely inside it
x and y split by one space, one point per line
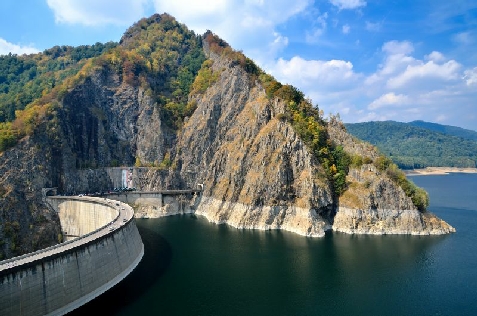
438 171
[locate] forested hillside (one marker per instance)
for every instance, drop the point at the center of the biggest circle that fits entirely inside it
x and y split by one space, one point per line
447 129
411 146
28 77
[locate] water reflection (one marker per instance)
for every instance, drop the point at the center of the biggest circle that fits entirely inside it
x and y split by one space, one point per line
192 267
219 270
157 257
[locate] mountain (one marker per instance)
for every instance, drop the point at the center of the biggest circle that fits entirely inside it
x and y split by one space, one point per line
447 129
424 145
188 109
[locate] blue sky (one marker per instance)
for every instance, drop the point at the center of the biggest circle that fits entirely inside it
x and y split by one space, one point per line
364 59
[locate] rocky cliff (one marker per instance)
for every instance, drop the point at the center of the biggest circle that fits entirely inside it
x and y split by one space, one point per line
373 203
26 224
256 171
259 174
260 168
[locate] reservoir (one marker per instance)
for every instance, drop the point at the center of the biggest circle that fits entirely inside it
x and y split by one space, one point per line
193 267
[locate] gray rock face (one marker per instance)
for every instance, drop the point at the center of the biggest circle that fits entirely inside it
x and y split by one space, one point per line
25 223
105 123
256 171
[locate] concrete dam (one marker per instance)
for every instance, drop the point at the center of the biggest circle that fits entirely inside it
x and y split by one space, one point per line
102 247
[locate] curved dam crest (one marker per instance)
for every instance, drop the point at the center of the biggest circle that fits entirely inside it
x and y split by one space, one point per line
102 247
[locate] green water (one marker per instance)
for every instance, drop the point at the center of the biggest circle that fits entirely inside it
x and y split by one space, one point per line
192 267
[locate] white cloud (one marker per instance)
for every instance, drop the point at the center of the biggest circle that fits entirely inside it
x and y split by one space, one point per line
199 15
435 57
470 76
7 47
94 12
346 29
250 25
278 43
430 70
396 47
315 73
348 4
403 87
332 83
387 100
224 16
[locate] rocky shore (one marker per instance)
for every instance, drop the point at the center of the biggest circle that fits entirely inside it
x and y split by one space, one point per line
439 171
302 221
387 222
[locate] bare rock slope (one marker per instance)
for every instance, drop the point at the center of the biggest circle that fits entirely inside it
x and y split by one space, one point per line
259 174
256 171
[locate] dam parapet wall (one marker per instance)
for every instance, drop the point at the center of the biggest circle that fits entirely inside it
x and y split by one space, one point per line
58 279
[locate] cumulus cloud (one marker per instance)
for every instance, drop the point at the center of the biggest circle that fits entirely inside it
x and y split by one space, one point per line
7 47
93 12
400 69
470 77
435 57
397 47
315 73
405 86
333 84
348 4
387 100
430 70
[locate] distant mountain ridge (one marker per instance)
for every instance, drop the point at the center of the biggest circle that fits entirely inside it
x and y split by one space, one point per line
420 144
446 129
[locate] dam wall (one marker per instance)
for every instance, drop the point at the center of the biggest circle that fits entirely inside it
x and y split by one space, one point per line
154 199
159 203
58 279
79 218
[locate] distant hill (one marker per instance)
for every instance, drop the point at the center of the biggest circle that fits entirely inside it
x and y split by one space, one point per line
446 129
420 144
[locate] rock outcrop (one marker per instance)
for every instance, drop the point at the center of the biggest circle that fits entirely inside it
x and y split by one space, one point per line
256 171
373 204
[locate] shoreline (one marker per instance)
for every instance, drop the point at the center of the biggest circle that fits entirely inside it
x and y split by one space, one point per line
438 171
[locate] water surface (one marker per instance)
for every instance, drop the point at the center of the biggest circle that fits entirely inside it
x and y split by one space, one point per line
192 267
